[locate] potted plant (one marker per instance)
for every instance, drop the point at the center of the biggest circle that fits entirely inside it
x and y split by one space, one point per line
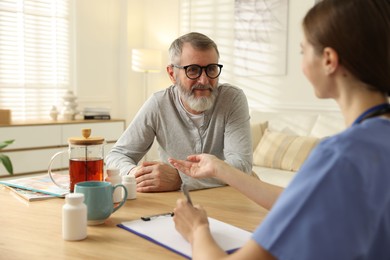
4 159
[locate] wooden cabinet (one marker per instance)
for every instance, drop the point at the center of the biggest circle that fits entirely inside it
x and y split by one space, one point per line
35 143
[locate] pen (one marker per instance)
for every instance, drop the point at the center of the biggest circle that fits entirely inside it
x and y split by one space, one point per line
186 193
147 218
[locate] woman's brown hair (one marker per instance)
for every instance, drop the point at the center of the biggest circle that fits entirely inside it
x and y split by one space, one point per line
359 31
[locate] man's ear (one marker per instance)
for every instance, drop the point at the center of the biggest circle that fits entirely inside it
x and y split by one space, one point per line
330 60
171 73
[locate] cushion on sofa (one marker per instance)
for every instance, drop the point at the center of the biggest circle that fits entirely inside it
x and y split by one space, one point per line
283 151
257 130
328 125
286 122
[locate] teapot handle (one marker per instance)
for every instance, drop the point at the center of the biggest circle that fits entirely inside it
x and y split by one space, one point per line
51 174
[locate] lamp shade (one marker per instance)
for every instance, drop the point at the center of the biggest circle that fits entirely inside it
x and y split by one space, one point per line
146 60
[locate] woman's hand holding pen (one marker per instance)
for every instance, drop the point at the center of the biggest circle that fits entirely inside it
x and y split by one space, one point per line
191 221
188 219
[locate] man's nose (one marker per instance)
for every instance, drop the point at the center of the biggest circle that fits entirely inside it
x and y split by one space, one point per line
203 79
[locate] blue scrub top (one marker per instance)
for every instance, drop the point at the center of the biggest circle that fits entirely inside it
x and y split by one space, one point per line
338 204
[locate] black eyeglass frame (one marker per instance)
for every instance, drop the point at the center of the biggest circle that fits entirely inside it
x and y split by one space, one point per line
220 66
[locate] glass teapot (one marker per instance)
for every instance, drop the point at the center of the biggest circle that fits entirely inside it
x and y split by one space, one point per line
86 160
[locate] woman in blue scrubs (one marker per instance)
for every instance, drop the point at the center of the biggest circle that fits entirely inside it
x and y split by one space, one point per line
338 204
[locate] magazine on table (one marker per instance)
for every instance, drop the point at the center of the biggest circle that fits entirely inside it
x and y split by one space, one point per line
41 184
29 195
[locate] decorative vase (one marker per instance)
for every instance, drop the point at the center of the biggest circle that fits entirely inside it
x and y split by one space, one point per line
69 111
54 113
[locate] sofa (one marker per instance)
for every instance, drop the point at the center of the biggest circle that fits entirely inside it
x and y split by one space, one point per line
282 141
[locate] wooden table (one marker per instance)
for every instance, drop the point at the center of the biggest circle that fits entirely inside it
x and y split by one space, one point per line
32 230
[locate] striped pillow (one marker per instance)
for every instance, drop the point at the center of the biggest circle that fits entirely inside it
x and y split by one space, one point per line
281 151
257 130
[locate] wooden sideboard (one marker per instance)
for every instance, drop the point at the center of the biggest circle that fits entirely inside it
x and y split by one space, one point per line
36 142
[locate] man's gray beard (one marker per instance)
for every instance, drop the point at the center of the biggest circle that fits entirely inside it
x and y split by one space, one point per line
198 104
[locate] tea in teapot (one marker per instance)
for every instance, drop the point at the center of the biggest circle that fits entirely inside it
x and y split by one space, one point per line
86 159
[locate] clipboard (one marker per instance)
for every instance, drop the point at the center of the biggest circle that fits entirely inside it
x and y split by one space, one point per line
161 231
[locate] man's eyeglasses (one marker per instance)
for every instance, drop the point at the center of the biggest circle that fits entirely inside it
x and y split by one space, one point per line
194 71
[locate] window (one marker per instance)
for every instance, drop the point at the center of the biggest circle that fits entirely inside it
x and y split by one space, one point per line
251 34
35 56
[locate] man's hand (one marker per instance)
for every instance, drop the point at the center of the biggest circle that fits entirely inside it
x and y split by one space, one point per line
157 176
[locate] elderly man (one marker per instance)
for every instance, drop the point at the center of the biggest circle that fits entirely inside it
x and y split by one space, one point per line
194 115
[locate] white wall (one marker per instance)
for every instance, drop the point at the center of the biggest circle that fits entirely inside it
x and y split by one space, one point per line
96 54
107 30
105 33
291 91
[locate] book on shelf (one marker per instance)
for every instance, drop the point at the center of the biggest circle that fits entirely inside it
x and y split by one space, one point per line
96 113
102 117
29 195
41 184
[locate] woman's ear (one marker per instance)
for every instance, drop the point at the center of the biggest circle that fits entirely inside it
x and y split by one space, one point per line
171 73
330 60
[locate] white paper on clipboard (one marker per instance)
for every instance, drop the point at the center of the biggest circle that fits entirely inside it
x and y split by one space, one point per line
162 231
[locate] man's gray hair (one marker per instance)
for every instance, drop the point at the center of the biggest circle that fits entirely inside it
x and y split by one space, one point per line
197 40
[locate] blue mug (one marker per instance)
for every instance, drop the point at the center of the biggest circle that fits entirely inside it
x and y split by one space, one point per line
98 198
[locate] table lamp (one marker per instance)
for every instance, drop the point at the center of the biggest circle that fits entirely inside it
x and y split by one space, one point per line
146 61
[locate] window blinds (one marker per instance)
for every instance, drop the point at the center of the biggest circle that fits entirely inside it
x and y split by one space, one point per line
251 34
35 56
